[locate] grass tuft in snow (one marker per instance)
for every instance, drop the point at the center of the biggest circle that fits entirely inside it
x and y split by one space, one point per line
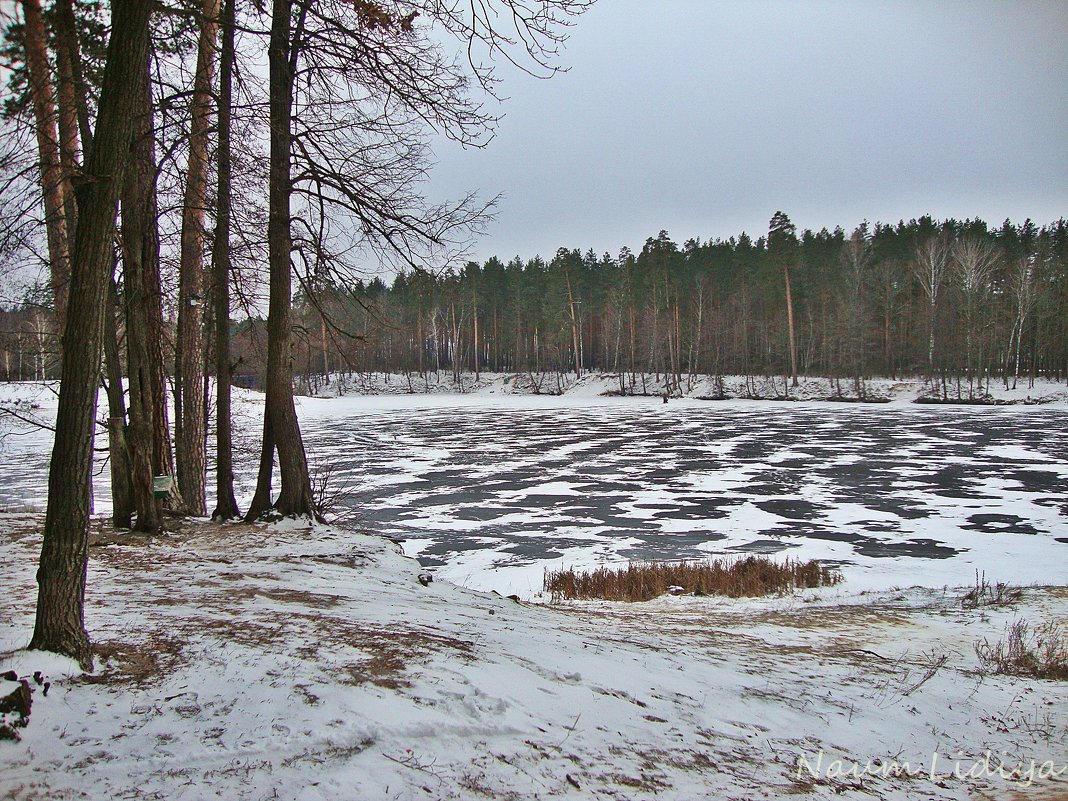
749 576
1041 653
986 594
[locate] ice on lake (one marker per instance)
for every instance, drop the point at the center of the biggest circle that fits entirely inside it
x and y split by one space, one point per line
491 495
489 491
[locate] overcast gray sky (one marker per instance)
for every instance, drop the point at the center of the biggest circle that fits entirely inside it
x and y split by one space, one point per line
704 117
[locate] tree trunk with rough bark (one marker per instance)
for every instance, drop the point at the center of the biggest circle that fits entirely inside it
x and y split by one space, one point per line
60 620
122 502
190 450
281 430
226 503
149 429
55 185
72 92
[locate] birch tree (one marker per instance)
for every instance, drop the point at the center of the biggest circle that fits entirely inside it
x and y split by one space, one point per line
930 266
974 258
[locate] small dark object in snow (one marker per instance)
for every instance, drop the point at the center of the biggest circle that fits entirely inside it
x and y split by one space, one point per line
425 578
38 678
571 779
44 692
10 675
665 399
18 701
513 598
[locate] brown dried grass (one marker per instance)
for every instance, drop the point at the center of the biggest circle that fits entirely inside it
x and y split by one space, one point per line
748 576
122 662
1039 653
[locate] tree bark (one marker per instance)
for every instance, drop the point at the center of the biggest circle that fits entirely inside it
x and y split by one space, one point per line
190 450
60 620
72 91
54 184
149 429
281 429
122 501
225 504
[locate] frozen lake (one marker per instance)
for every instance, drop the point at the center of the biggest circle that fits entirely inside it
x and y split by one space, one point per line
490 492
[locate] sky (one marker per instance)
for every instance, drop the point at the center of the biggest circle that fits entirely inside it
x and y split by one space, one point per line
704 117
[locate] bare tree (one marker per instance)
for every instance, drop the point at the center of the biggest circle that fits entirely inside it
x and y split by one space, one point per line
856 259
281 429
1024 292
148 434
930 265
60 621
353 88
974 259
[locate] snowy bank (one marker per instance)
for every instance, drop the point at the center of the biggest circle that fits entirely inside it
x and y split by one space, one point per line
246 662
1041 391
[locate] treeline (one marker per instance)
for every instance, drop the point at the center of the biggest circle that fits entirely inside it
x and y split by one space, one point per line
951 299
947 299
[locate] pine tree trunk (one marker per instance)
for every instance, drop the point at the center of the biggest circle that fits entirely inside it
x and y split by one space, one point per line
190 451
54 184
790 326
119 457
72 87
148 433
575 343
60 621
225 504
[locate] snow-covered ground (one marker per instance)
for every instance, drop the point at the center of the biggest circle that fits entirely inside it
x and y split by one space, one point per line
260 663
293 663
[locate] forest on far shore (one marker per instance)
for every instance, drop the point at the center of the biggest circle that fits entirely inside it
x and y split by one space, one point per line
923 297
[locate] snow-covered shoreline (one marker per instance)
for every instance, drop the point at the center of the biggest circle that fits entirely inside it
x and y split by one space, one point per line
1041 391
309 663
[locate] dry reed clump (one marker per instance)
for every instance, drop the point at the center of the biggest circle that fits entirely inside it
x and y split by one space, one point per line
986 594
1038 654
748 576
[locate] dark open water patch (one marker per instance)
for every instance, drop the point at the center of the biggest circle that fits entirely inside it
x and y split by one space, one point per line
793 508
1039 480
1000 524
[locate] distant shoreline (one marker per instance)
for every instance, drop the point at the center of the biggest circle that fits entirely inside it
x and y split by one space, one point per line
914 390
